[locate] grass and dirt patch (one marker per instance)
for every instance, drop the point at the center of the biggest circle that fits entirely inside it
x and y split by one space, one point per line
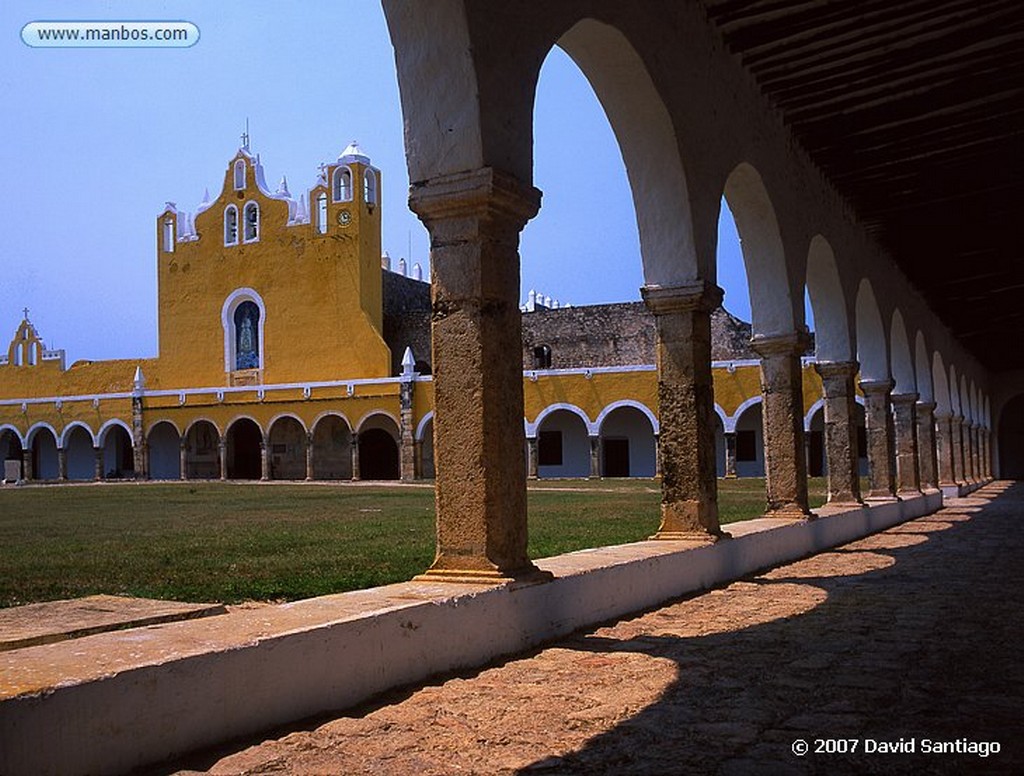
228 542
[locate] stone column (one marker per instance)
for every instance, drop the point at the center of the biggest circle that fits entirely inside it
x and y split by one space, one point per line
975 452
957 427
986 456
944 449
97 474
406 432
785 459
840 412
26 464
686 428
355 456
183 459
138 440
908 473
222 452
264 460
531 456
310 474
881 447
730 454
474 219
927 458
595 457
62 464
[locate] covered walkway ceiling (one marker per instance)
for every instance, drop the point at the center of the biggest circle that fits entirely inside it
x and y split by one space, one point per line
915 110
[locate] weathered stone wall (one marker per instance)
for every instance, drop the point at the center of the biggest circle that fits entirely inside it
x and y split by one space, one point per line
406 318
620 334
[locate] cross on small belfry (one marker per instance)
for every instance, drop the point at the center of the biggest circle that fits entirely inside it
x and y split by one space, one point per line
25 311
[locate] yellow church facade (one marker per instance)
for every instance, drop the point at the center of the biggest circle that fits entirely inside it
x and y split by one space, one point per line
275 362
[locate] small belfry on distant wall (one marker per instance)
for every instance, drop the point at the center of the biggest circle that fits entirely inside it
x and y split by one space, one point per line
290 348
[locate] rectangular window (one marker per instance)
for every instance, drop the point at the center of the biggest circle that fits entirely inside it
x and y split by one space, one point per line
746 445
549 452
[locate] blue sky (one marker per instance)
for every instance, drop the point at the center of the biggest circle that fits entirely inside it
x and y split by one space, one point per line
97 140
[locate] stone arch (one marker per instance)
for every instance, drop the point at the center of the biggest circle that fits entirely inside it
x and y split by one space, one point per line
286 447
202 450
532 428
378 447
922 369
79 443
332 447
649 146
901 363
764 257
115 437
730 422
243 441
832 336
940 383
563 442
42 439
872 346
749 429
11 449
164 445
628 440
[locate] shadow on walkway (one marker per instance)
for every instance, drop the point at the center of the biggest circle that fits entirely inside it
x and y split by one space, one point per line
917 639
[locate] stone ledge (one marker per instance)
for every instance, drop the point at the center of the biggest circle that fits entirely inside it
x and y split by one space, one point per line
46 623
112 702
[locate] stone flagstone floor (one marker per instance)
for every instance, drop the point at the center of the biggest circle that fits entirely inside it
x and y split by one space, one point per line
911 635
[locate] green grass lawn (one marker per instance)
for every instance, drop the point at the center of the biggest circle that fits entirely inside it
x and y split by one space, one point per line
236 542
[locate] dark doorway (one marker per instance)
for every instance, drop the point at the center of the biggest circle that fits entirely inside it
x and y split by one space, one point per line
616 457
1011 440
378 455
815 454
243 451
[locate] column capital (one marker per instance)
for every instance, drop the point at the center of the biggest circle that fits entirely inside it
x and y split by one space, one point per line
876 386
795 343
697 296
926 406
943 416
487 191
904 399
840 369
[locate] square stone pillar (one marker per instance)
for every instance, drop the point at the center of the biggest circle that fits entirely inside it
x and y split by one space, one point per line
785 459
62 464
310 474
944 449
881 447
406 431
354 453
908 473
730 455
474 219
840 410
97 474
986 458
975 457
26 464
183 459
957 426
531 458
222 453
686 401
264 460
927 458
595 457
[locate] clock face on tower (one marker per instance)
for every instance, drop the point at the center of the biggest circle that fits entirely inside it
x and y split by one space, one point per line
344 217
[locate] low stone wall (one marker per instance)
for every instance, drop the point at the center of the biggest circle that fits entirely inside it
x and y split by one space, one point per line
115 701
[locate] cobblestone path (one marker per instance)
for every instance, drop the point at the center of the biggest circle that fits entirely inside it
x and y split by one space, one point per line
913 635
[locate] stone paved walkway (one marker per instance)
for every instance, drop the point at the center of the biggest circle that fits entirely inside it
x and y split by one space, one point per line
914 634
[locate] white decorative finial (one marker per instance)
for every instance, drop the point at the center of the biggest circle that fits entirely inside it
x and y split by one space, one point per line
417 272
282 187
402 267
408 363
385 261
138 382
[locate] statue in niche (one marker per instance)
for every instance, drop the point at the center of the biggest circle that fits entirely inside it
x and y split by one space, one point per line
247 336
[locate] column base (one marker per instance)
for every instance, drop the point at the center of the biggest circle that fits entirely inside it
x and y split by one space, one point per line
488 577
905 493
790 512
695 537
881 498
